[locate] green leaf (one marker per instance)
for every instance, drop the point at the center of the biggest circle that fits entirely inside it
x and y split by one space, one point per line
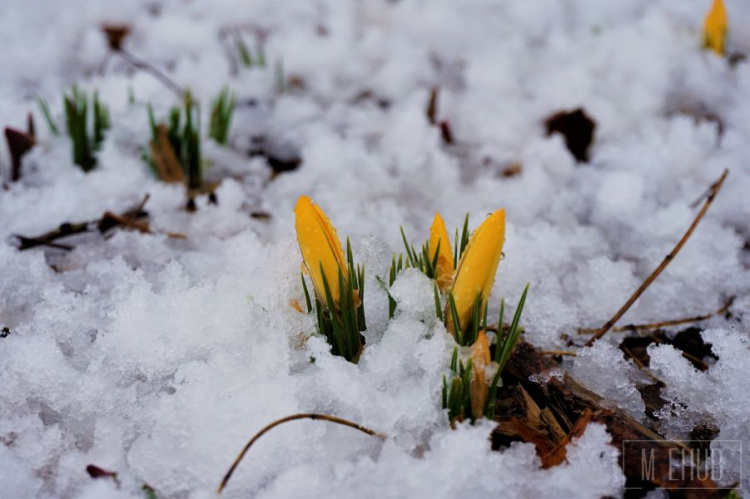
44 107
438 307
149 492
513 332
454 318
464 238
307 293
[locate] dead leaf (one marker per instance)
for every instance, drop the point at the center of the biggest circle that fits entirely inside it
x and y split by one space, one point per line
165 160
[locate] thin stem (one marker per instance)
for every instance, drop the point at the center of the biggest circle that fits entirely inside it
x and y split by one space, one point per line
715 188
569 353
156 72
313 416
639 328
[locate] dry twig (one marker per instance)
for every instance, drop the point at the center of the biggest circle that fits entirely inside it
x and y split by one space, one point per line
129 219
640 328
714 190
569 353
149 68
313 416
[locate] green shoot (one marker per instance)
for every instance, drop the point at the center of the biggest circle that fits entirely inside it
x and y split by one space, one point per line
341 323
246 54
307 294
182 145
78 108
44 107
222 109
457 393
504 348
438 305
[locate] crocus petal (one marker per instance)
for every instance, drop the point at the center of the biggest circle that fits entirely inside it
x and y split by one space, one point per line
480 355
480 350
716 27
477 268
320 246
445 265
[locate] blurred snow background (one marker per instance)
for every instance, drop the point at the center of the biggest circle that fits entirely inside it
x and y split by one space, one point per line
158 358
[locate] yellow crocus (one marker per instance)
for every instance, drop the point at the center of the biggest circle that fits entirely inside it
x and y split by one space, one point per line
320 247
716 27
476 270
480 355
440 242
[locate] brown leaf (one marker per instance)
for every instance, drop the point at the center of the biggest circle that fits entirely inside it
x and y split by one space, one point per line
541 441
115 34
558 453
511 170
165 160
19 143
97 472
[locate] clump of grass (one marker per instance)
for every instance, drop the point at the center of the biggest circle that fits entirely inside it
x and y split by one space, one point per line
86 140
222 109
176 145
250 58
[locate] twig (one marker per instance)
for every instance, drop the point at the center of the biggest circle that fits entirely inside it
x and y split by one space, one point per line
105 223
569 353
432 105
638 292
156 72
313 416
639 328
640 365
692 358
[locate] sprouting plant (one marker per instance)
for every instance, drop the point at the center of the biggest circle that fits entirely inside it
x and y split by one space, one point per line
85 142
466 392
475 275
396 267
434 260
249 58
222 109
175 146
716 28
337 284
463 281
504 344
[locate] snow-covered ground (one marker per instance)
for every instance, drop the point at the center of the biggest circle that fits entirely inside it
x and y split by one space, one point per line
159 357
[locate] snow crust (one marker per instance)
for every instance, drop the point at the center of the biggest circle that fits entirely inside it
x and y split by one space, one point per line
159 357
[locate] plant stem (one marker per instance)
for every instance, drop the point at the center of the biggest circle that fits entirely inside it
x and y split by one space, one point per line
714 190
313 416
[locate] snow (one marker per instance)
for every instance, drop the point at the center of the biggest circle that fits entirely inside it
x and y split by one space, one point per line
159 357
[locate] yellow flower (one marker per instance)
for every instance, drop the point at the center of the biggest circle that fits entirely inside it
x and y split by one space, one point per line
445 265
476 270
480 358
715 28
320 247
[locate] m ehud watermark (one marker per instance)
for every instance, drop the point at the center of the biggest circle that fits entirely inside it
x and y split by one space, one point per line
681 464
